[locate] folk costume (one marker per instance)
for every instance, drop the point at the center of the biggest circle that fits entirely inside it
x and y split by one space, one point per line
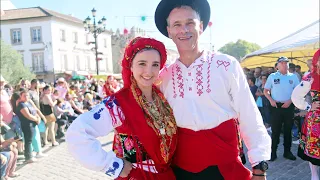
309 148
108 88
145 133
210 100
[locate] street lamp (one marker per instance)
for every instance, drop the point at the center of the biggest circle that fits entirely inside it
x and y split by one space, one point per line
95 29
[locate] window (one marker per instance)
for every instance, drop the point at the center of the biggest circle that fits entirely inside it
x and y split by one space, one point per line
75 37
105 43
86 39
63 61
16 36
37 62
88 67
36 35
62 35
77 61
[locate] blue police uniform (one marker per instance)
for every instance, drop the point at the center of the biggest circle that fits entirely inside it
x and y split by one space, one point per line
281 87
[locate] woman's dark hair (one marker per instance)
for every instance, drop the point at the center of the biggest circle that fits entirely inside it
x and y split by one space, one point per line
15 96
46 87
23 90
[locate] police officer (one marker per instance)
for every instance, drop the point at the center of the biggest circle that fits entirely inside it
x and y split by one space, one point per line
278 90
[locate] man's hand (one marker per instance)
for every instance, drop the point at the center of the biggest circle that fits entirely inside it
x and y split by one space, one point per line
273 103
286 104
257 171
127 167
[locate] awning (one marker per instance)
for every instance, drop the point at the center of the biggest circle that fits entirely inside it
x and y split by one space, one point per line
298 47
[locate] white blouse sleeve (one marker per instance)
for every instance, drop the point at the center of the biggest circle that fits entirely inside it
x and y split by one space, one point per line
298 96
252 129
86 149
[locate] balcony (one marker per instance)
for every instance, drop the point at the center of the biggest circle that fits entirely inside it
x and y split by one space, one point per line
39 69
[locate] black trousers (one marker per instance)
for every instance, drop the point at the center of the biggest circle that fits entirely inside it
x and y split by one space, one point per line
211 173
281 116
28 132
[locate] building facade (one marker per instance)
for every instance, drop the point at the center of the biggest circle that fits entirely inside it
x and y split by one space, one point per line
53 44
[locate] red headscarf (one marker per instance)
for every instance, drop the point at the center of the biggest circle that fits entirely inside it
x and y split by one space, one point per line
314 72
136 45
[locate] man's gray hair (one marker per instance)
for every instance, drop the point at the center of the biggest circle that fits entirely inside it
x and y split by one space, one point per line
185 7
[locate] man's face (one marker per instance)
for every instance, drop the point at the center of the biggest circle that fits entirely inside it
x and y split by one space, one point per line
184 28
283 66
309 64
270 70
257 72
298 70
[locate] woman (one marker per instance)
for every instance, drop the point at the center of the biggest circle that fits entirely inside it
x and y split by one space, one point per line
309 149
47 111
145 129
108 87
29 119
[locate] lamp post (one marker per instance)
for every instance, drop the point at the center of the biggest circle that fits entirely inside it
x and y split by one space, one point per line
95 29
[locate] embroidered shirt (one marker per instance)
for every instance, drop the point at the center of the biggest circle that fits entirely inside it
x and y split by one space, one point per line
211 91
86 149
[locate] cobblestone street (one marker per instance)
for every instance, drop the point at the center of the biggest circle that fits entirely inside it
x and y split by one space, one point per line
59 165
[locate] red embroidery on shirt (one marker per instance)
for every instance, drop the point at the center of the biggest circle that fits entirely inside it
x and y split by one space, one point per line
224 63
180 81
174 84
208 74
190 88
199 78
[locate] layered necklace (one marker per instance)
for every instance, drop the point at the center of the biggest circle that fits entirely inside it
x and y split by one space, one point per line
159 116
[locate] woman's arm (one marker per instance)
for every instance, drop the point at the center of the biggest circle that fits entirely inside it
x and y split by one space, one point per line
25 112
298 95
49 100
38 112
86 149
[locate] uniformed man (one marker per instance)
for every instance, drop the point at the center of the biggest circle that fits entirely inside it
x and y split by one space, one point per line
278 90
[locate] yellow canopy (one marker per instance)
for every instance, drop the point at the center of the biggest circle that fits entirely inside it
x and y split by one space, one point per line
298 57
298 47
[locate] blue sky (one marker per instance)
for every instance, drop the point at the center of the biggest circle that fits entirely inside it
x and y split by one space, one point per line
261 22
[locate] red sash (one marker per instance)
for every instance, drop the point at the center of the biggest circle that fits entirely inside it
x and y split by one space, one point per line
198 150
136 125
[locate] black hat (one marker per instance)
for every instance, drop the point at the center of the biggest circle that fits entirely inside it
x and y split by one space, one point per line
166 6
283 59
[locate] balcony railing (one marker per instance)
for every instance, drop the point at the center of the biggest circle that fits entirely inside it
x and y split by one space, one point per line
39 69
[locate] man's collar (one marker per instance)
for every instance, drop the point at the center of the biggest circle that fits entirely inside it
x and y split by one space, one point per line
205 56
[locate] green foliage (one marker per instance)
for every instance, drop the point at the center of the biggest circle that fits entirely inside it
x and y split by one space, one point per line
239 49
12 68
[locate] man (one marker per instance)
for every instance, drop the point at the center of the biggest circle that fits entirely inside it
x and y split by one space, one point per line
207 92
298 70
257 75
292 69
309 64
280 85
34 93
252 86
270 70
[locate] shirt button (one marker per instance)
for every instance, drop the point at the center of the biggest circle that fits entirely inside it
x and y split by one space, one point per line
189 73
190 89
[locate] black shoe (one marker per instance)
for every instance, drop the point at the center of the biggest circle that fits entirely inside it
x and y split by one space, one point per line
289 155
273 156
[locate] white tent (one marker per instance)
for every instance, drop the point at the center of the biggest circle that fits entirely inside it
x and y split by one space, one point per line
297 46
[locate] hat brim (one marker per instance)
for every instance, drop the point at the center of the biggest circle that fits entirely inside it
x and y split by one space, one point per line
166 6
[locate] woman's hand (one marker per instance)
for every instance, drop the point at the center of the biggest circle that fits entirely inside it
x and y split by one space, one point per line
315 106
127 167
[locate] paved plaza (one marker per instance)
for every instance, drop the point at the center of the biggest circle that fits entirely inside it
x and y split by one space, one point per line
61 166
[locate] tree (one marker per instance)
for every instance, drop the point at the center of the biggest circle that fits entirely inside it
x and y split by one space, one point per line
239 49
12 68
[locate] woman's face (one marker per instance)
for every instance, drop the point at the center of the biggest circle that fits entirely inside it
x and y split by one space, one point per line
47 91
24 97
145 68
264 79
